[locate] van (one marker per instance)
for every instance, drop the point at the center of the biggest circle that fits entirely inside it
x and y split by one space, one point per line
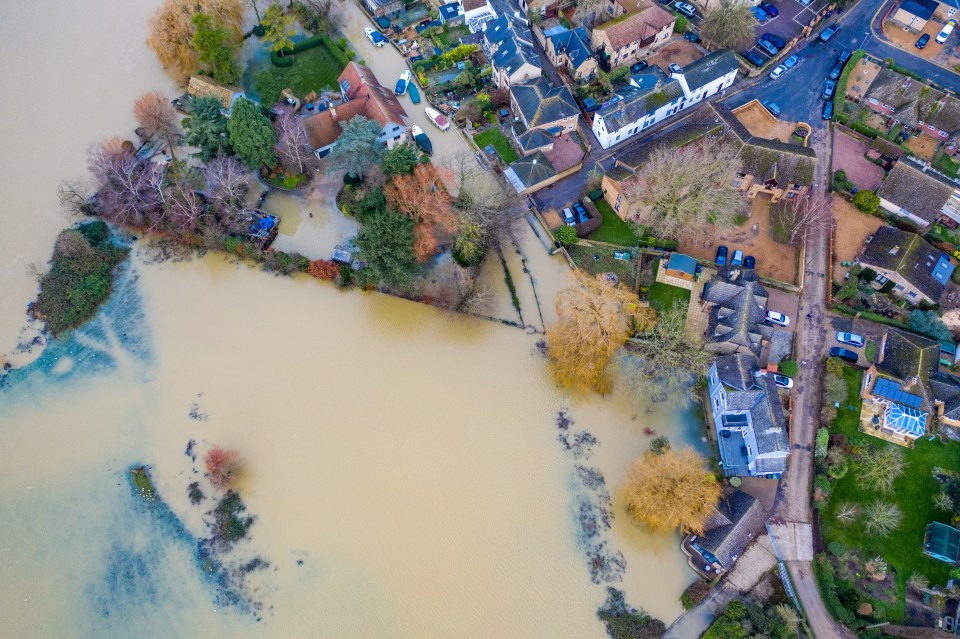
737 258
947 29
568 217
844 56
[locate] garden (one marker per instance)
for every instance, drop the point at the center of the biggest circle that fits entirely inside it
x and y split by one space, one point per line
613 230
310 65
495 138
596 260
664 295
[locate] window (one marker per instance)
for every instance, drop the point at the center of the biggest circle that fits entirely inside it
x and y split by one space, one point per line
912 294
618 198
791 195
616 207
881 279
716 403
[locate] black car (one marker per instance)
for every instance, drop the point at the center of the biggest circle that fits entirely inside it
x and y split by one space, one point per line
922 42
844 56
768 46
639 66
775 39
749 262
844 354
829 88
828 110
722 255
691 36
770 9
836 71
754 58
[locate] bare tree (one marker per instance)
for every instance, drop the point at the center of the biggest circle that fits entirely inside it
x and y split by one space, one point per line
462 165
802 217
184 207
125 194
883 518
879 468
171 30
228 181
293 144
74 196
588 12
680 191
323 12
730 25
156 115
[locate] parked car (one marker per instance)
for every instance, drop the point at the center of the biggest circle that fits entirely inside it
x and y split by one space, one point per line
691 36
675 68
686 9
850 339
759 14
829 88
568 217
737 258
828 110
779 71
777 40
782 381
778 318
749 262
945 33
836 71
769 9
754 58
922 41
791 62
772 107
844 56
639 66
581 213
844 354
721 255
768 46
829 32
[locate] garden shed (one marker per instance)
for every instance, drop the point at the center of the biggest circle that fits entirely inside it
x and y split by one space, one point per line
942 542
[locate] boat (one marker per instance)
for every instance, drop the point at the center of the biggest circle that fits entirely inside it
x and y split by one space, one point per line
402 83
421 139
377 38
437 118
414 93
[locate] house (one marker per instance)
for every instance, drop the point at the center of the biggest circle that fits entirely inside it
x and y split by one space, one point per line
532 140
541 106
544 167
631 36
681 266
736 521
543 8
451 14
362 95
201 86
737 313
897 397
644 103
476 13
919 272
913 14
748 418
383 8
945 390
914 105
570 49
509 45
506 27
920 196
942 542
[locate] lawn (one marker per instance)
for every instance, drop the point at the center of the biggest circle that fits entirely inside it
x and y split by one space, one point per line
314 69
612 230
778 229
493 137
664 295
946 164
912 492
599 259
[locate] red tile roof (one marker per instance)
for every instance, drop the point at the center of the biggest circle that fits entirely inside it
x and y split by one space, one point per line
565 153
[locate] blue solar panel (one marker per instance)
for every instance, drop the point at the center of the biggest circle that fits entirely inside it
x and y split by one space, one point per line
943 270
891 390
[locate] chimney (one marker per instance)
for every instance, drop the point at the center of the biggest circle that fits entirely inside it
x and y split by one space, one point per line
333 111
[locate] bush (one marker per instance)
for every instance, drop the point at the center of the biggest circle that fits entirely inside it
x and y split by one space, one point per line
929 324
823 439
566 235
694 594
681 25
836 548
867 201
841 182
789 368
285 61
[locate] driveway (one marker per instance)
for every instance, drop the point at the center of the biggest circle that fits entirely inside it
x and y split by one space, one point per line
849 154
786 303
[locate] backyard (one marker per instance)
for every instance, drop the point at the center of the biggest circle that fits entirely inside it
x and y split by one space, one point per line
853 228
612 230
493 137
664 295
594 259
913 493
315 69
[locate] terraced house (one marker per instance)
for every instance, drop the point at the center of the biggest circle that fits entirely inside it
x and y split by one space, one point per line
914 105
541 106
569 49
652 96
509 46
907 265
633 35
922 196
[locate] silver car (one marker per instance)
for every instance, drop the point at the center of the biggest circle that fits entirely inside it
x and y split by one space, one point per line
850 339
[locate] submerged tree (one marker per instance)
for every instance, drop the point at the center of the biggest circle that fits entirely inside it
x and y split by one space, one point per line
278 29
223 466
157 117
206 128
386 245
171 31
215 48
126 186
422 197
680 191
671 490
730 25
293 144
357 147
228 182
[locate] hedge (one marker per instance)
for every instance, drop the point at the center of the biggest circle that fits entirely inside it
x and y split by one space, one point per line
840 94
655 242
314 41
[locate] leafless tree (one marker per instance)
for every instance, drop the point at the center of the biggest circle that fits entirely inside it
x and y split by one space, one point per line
123 181
185 208
293 144
680 191
228 181
324 12
158 118
74 196
802 217
730 25
462 165
588 11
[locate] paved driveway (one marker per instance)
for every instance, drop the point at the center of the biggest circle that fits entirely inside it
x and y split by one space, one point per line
786 303
848 154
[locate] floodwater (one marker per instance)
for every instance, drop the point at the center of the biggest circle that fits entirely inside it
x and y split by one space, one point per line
403 465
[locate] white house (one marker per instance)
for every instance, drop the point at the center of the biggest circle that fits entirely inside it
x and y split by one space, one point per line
652 96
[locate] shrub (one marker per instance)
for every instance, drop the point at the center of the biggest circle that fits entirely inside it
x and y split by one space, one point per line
823 439
283 62
694 594
867 201
789 368
324 269
929 323
681 24
567 235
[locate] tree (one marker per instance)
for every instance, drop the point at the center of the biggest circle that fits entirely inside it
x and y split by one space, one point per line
223 466
278 29
124 184
206 128
671 490
400 159
421 196
730 25
929 323
171 31
386 244
625 622
293 144
357 147
317 15
251 135
156 115
679 191
664 360
227 179
215 48
660 445
804 216
867 201
834 389
883 518
587 12
847 513
593 322
483 220
879 468
566 235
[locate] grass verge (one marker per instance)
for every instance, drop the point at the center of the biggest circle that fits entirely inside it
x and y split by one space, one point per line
612 229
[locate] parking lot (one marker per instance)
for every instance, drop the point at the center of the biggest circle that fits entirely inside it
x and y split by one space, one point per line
788 25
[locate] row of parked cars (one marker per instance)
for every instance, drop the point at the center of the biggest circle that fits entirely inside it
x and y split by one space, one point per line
577 214
737 260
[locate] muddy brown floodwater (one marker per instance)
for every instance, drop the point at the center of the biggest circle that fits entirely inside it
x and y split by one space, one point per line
403 465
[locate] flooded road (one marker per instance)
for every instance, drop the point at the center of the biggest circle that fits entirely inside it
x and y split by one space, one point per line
403 465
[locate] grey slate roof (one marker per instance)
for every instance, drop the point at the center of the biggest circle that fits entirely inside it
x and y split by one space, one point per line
636 103
946 389
513 54
769 422
709 68
919 192
676 137
532 169
908 355
923 9
574 43
737 521
740 306
541 104
781 344
736 371
533 139
909 255
912 101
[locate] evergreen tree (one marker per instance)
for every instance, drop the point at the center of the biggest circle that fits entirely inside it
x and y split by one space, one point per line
251 135
206 128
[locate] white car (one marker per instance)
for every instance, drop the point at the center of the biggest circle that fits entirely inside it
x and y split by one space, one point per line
851 339
686 9
778 318
779 71
782 381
